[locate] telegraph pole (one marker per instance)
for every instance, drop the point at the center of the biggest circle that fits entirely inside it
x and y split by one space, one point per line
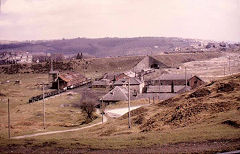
229 65
9 126
129 122
43 109
224 70
185 77
102 110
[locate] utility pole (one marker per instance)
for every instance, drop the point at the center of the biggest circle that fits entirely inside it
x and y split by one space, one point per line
129 122
229 65
224 70
185 77
149 100
153 100
9 126
102 110
43 108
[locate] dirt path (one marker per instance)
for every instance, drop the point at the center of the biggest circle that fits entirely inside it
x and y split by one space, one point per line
115 113
61 131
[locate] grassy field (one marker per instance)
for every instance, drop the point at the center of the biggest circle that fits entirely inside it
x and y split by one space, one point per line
187 118
28 118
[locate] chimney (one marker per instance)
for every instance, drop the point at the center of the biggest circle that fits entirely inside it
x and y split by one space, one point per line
172 87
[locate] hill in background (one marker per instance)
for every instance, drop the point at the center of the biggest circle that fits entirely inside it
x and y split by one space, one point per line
102 47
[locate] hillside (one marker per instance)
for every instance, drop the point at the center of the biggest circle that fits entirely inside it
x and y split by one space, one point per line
215 103
98 66
103 46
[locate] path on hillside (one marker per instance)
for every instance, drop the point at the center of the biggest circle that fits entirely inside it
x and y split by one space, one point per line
112 113
118 112
61 131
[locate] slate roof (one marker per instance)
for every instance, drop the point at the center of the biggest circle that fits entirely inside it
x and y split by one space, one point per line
167 89
173 77
133 81
116 94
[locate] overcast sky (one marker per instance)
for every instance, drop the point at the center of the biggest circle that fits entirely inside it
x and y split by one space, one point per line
56 19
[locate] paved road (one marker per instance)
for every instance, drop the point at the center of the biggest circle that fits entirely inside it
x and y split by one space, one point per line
60 131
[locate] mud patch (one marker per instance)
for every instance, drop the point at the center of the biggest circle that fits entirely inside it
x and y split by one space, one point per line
200 93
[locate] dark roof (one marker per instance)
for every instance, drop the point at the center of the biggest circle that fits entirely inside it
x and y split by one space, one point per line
166 89
173 77
133 81
116 94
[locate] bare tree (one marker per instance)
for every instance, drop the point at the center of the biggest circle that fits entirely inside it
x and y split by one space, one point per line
89 109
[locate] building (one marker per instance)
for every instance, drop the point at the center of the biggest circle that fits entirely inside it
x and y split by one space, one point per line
115 95
135 84
67 80
178 79
103 83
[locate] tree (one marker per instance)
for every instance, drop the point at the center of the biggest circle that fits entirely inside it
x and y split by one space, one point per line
79 56
88 109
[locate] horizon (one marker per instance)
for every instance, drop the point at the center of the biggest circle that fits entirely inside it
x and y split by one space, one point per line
32 20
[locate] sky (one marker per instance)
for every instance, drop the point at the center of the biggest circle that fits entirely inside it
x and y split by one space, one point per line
56 19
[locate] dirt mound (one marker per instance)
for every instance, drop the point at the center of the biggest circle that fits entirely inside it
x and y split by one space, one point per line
231 123
200 93
226 87
140 119
185 114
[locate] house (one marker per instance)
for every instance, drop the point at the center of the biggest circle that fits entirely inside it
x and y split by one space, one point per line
115 95
103 83
67 80
135 84
178 79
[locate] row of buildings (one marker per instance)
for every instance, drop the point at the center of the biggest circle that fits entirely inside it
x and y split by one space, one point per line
163 86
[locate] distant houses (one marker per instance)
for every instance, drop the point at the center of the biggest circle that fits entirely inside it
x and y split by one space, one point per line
15 57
